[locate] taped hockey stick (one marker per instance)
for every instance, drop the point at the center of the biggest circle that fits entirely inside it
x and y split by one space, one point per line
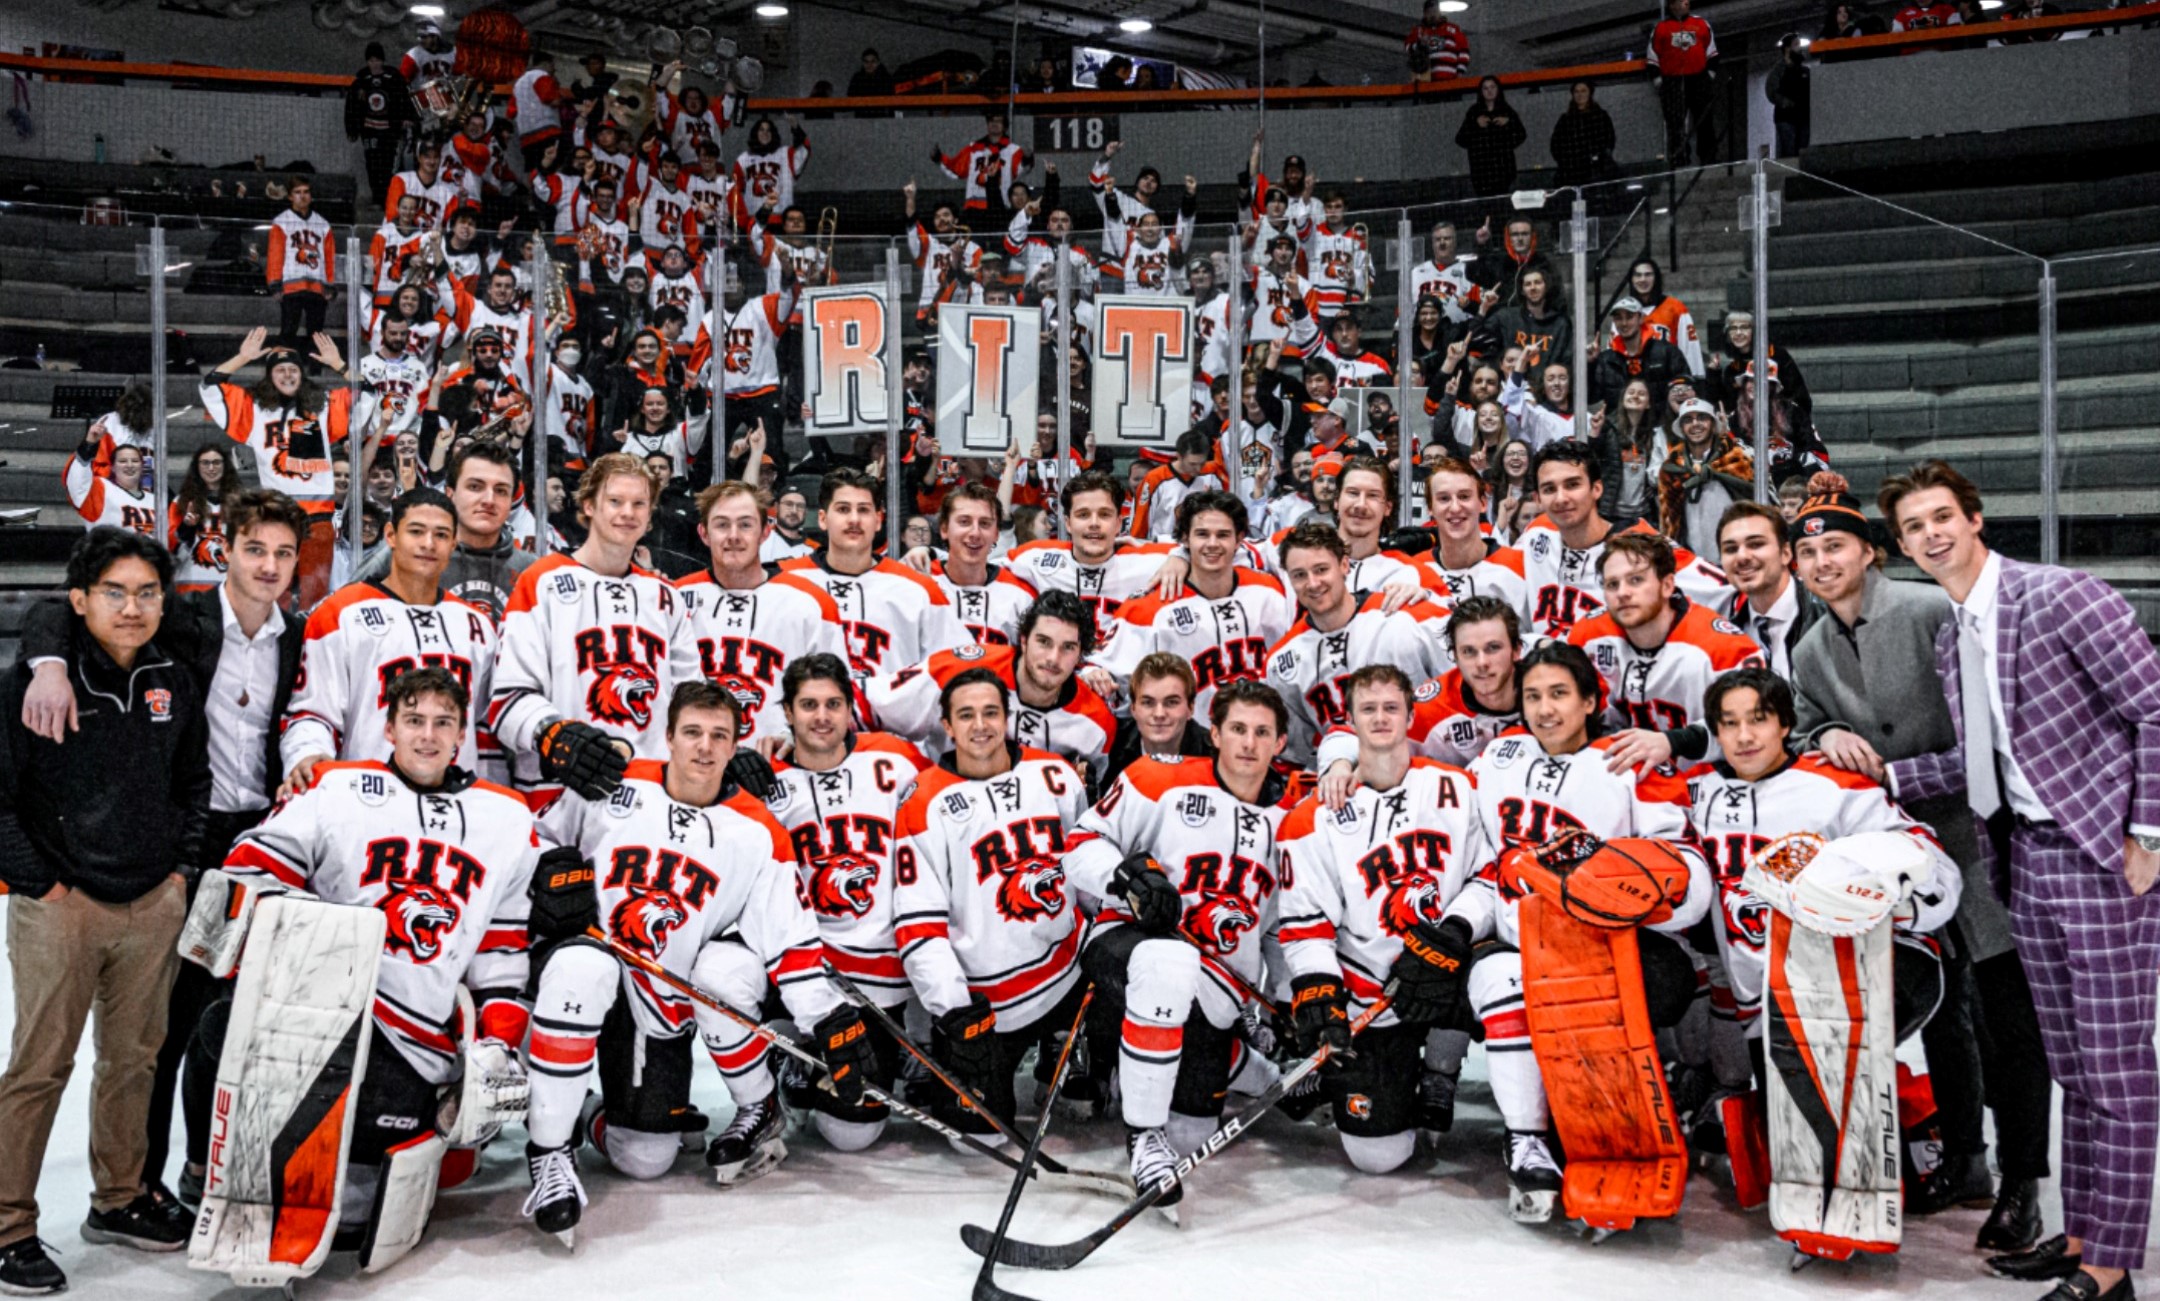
1219 967
986 1288
1065 1255
1102 1181
812 1060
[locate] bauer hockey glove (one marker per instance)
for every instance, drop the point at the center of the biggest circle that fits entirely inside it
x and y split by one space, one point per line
753 772
843 1041
1320 1014
565 901
582 757
1155 904
1431 973
967 1040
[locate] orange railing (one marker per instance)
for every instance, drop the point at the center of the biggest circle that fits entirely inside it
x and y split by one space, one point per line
1893 42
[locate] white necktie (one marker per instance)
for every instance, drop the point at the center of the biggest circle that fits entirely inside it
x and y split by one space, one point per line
1982 789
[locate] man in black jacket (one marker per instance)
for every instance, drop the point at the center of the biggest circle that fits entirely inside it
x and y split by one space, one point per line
97 838
378 109
1631 353
245 656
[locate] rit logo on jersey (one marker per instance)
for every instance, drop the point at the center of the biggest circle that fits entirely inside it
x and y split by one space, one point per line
1230 892
840 857
1560 608
1241 657
1027 856
659 891
744 668
419 909
390 671
624 663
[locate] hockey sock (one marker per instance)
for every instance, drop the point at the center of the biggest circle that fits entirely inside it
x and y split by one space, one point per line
1728 1042
560 1063
1445 1050
1691 1037
731 972
1161 978
1518 1088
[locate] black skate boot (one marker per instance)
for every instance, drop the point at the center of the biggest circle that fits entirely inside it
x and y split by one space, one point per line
751 1144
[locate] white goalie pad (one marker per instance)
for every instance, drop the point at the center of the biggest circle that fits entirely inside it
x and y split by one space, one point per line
217 922
404 1199
288 1079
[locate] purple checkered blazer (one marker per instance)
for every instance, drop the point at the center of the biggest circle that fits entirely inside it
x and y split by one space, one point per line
2081 690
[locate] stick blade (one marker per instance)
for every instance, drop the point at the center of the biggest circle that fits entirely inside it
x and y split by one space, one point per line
987 1289
1029 1255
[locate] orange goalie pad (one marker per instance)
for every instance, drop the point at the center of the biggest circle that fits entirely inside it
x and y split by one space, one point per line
1614 883
1590 1027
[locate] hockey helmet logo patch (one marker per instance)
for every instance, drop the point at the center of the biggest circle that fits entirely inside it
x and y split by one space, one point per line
1219 922
1032 890
1410 901
417 918
622 693
840 885
644 919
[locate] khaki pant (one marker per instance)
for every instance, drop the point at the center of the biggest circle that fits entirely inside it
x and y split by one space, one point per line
68 958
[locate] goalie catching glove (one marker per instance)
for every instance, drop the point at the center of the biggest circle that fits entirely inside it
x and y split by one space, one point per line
1611 884
1154 902
1431 974
582 757
1840 888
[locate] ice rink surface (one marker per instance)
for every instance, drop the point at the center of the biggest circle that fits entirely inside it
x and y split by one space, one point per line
1278 1216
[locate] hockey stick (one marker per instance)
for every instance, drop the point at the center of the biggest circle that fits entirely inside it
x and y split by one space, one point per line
986 1288
1210 962
812 1060
1096 1181
1065 1255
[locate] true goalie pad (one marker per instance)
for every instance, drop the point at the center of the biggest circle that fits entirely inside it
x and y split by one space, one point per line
1590 1027
1831 1037
287 1087
217 922
404 1198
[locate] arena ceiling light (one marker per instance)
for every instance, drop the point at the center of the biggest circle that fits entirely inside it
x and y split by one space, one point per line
1135 26
1453 6
772 11
427 11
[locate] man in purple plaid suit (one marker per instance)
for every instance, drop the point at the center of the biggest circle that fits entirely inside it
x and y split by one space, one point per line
2050 667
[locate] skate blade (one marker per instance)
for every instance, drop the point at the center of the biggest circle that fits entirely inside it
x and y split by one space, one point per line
1597 1235
1170 1213
568 1237
1532 1207
737 1173
1800 1260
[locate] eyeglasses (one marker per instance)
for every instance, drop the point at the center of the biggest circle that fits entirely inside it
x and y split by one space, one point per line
116 598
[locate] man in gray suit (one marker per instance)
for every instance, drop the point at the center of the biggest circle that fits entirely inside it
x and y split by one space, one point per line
1865 686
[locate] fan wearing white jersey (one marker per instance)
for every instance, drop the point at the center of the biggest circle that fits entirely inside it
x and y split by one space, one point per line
1562 545
591 644
1192 469
367 634
124 500
1184 854
946 259
1097 565
765 171
393 383
572 409
1531 788
1456 715
676 283
689 119
1338 631
968 521
1285 304
890 616
1442 276
1224 620
446 858
988 929
1370 880
1148 257
1464 562
1335 254
687 873
787 248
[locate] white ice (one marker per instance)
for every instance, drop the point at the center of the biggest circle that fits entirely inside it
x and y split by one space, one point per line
1280 1215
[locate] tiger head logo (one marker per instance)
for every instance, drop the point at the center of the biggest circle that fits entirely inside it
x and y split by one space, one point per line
416 918
840 886
1219 922
748 692
209 551
1032 891
1413 900
622 693
644 918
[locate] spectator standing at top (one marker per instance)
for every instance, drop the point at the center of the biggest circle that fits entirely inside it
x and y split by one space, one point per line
988 167
1924 17
1851 20
1791 102
433 57
536 101
302 264
871 79
1583 139
1438 49
1490 133
1681 51
378 109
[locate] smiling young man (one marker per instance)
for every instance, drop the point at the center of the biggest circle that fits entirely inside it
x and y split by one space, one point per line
1562 546
891 616
1183 852
1755 551
968 520
1464 562
747 625
1457 714
1097 565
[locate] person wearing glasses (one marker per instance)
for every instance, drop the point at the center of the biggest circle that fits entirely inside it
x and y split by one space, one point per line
97 837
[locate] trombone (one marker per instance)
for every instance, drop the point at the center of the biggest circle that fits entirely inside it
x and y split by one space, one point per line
828 228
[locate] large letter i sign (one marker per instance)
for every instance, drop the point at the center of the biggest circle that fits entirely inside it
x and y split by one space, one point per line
986 378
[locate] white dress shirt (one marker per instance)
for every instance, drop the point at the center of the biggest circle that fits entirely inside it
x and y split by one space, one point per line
238 710
1983 606
1769 628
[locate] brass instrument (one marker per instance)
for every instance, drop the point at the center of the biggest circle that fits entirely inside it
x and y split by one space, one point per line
828 227
450 99
1362 235
960 235
553 293
630 105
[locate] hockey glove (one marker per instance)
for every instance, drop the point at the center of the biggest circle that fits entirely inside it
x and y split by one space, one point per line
1431 974
565 901
967 1040
937 155
582 757
752 772
1320 1014
844 1042
1155 903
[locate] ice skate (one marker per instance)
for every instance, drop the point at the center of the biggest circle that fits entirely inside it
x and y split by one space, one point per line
1153 1161
1436 1103
1533 1178
751 1144
558 1198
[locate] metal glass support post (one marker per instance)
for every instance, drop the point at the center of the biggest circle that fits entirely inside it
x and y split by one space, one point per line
538 438
716 332
1405 325
1233 441
161 473
355 348
1054 482
895 403
1760 273
1579 372
2050 450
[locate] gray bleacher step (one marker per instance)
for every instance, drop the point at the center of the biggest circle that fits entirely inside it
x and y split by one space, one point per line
1946 364
2091 231
1860 216
29 305
2092 402
2000 276
2115 460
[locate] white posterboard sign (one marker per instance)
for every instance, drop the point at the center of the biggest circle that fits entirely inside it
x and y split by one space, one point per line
845 359
987 378
1144 359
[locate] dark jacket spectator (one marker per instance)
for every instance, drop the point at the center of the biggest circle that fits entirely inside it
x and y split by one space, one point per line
1656 363
873 78
1583 139
1846 20
1790 98
1501 267
1539 323
378 111
1490 133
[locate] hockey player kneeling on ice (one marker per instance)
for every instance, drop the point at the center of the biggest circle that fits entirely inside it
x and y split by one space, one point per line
1370 886
1532 789
1811 860
327 1126
1184 853
675 859
988 931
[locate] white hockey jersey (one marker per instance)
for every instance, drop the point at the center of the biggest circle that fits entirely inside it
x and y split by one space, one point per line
1446 723
358 641
1078 728
1341 267
750 363
890 616
1307 666
1565 587
1223 640
581 645
292 448
842 824
766 182
1498 575
746 639
1155 505
980 900
673 877
396 385
1364 875
991 613
448 868
1459 295
103 501
1048 566
1662 688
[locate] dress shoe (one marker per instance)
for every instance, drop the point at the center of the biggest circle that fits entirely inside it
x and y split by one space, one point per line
2014 1224
2081 1286
2051 1259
